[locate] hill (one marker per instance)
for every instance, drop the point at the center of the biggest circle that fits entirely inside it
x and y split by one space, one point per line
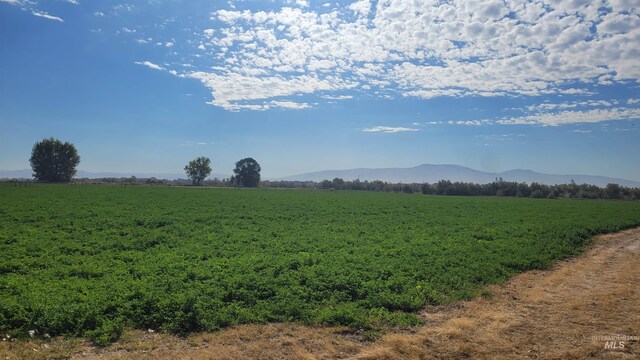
433 173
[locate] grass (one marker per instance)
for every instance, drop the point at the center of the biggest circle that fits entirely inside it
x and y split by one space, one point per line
94 260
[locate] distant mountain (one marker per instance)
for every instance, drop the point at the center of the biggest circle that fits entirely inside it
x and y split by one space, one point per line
419 174
15 174
434 173
26 174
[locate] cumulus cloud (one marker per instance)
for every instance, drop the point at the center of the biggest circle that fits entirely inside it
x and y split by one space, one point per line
454 48
232 90
259 59
389 129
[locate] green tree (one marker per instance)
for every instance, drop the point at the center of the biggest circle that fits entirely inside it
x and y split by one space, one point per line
198 169
247 172
613 191
54 161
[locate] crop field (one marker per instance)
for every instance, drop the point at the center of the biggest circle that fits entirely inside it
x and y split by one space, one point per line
92 260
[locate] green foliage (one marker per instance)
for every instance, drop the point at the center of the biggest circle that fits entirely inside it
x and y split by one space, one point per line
106 332
90 260
54 161
198 169
247 172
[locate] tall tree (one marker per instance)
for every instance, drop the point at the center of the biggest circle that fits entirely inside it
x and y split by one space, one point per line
54 161
198 169
247 172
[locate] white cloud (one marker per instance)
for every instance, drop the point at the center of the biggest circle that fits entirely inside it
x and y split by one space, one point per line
574 117
232 90
471 122
337 97
389 129
361 7
570 105
74 2
289 105
43 14
150 65
98 13
419 49
633 101
16 2
123 8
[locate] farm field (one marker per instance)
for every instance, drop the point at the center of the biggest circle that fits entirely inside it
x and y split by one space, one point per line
92 260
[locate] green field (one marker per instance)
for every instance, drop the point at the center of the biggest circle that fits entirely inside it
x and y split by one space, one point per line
90 260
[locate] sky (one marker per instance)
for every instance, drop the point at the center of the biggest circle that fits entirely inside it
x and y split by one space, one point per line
145 86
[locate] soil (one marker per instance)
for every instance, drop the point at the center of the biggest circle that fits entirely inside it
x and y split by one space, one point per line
584 307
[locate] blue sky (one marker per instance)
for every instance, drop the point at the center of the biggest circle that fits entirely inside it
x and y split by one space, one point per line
146 86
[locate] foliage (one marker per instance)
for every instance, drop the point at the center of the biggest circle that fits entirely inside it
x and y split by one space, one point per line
54 161
247 172
443 187
198 169
496 188
90 260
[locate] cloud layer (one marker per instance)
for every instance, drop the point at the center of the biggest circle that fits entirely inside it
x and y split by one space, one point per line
294 54
420 49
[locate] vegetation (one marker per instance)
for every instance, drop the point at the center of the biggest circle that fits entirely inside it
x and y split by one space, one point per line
92 260
54 161
198 169
496 188
247 173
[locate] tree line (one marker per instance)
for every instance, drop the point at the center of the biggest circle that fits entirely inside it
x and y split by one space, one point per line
498 187
54 161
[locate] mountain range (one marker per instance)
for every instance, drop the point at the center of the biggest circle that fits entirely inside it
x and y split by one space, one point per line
433 173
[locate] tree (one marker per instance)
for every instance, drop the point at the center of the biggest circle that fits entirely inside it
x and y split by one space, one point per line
612 191
198 169
247 172
54 161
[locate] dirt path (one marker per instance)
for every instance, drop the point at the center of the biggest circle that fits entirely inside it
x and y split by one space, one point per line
569 311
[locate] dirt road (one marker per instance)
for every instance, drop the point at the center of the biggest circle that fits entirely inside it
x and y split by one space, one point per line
585 307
